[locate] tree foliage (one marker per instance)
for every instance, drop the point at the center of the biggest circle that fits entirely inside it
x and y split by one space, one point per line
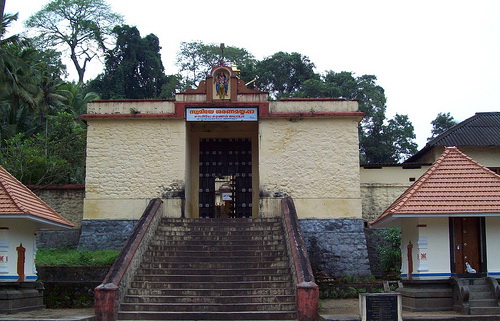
41 141
81 26
283 74
381 140
134 69
196 59
54 157
440 124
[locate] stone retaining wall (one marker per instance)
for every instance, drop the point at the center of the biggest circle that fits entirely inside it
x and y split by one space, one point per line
337 247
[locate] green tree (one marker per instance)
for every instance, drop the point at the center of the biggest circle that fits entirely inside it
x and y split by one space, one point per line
283 74
76 99
440 124
82 26
134 69
55 157
381 140
19 92
196 59
390 252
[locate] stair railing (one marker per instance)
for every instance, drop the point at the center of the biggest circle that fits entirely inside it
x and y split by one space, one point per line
494 288
307 289
110 293
460 296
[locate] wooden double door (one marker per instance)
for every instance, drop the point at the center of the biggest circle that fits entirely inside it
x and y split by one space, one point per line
225 178
468 245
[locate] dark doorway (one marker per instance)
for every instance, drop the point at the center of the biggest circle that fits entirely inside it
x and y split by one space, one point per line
467 245
225 187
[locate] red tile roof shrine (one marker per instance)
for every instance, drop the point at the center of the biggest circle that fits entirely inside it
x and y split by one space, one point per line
455 185
17 201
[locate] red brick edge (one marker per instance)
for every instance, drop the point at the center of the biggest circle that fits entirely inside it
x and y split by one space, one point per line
307 289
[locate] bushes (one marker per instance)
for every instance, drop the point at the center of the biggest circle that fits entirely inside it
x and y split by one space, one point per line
390 252
70 257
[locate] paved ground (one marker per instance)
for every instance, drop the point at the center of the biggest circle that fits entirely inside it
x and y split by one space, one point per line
52 314
348 309
329 309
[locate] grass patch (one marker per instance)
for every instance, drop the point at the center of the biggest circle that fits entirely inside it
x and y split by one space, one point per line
70 257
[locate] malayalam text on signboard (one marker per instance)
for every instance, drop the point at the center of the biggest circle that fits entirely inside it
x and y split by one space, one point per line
222 114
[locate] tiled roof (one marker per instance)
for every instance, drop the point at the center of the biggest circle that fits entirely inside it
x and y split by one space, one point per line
482 129
16 200
454 185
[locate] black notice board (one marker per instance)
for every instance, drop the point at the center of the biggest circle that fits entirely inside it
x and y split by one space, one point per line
382 308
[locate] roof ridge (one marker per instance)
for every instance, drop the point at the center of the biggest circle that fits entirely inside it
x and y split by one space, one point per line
447 183
452 129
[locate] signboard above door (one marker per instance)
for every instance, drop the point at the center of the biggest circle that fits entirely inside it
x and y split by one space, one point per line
221 114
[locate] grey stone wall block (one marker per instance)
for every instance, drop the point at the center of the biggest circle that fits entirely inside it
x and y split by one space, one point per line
336 247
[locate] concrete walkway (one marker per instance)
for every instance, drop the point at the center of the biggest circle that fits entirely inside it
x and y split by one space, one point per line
330 310
52 315
348 310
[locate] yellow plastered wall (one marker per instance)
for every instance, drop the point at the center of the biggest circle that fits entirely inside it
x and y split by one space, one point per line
382 186
130 162
313 160
492 241
431 246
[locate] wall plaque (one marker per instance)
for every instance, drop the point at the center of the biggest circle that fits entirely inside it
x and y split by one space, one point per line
380 306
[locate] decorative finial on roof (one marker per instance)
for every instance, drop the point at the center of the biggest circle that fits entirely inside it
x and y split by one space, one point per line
222 47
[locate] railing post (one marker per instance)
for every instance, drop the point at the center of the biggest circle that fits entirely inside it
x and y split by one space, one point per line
106 302
307 301
307 290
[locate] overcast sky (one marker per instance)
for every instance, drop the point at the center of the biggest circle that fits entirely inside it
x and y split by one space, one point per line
430 56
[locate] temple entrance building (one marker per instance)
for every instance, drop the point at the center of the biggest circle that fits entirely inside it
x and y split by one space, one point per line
222 151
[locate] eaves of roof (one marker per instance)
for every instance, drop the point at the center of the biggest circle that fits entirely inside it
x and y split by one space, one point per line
482 129
17 201
455 185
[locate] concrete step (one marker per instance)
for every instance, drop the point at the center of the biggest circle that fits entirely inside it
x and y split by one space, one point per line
210 285
192 228
485 310
212 292
173 253
208 237
479 288
213 316
217 264
221 271
220 221
483 303
224 247
187 241
205 259
224 235
206 307
212 269
480 295
210 299
211 278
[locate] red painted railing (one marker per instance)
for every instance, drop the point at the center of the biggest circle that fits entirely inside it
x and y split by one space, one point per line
109 294
307 289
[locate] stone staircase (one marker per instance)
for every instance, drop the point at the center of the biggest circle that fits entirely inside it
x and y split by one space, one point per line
481 299
213 269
